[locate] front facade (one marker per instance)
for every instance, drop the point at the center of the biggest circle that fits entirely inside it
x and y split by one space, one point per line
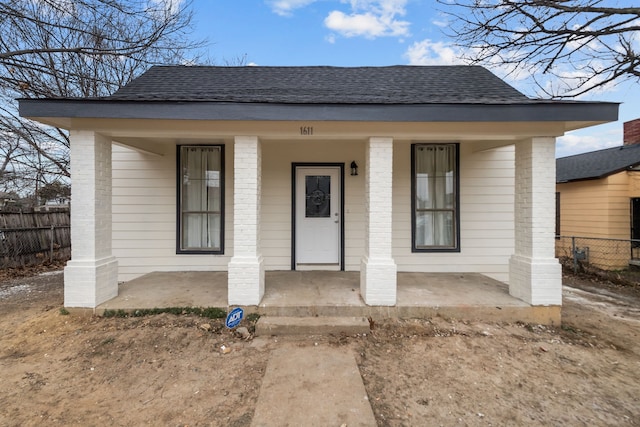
298 231
331 176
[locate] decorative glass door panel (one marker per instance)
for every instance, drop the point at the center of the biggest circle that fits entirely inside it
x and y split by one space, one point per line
318 196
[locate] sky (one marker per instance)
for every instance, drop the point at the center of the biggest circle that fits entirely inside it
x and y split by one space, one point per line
367 33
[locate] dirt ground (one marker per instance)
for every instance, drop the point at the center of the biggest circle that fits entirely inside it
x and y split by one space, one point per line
164 369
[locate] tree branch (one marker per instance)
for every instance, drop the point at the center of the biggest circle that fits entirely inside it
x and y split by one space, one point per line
555 38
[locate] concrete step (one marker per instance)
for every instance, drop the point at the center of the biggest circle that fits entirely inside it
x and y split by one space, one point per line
279 325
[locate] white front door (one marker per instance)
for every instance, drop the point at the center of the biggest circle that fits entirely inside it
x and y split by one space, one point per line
318 205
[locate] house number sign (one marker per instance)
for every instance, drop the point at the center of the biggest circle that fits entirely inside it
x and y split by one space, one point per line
306 130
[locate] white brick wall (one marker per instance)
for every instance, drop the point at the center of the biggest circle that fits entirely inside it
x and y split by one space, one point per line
89 283
378 270
246 268
535 281
534 273
247 189
246 280
91 275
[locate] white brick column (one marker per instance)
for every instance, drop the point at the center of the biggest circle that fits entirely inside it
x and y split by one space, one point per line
378 271
91 277
534 273
246 267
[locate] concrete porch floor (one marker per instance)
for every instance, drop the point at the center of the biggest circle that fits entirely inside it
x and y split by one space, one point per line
464 296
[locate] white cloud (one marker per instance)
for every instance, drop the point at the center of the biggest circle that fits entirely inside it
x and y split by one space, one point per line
441 20
366 18
365 24
286 7
173 6
578 44
580 142
370 19
427 52
566 78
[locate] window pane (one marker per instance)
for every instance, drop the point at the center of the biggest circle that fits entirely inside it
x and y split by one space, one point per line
201 197
200 179
200 231
434 229
435 177
435 195
424 229
318 196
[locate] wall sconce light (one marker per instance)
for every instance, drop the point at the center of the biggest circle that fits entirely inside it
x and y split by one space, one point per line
354 168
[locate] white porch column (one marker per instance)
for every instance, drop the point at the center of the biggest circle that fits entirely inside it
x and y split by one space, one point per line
246 267
378 271
91 277
534 273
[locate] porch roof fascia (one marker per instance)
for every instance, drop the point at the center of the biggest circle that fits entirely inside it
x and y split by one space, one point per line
575 114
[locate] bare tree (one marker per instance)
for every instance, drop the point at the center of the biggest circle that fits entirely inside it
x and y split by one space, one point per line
583 44
87 47
10 150
56 191
78 48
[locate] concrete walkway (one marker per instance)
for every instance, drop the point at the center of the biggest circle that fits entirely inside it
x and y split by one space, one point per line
312 386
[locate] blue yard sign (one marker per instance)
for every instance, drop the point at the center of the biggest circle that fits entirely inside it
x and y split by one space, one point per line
234 317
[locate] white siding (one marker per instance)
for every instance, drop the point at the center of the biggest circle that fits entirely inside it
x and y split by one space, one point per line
144 209
277 158
144 215
486 214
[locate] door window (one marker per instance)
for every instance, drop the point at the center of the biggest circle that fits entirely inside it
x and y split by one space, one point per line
318 196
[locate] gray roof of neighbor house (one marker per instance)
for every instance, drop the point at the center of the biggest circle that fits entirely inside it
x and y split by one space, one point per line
597 164
394 93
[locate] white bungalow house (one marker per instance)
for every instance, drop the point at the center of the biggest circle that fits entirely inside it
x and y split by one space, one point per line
372 169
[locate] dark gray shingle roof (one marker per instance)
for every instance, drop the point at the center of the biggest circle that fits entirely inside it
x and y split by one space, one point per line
597 164
321 85
361 94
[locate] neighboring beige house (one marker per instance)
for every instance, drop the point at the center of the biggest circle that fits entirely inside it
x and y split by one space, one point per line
598 194
372 169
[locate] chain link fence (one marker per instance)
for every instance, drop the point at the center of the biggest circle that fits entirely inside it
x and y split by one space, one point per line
28 239
613 259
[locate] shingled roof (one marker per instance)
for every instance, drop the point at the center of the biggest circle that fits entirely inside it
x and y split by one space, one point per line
321 85
360 94
597 164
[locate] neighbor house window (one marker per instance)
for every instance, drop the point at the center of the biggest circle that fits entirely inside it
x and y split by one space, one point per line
435 222
200 199
557 214
635 222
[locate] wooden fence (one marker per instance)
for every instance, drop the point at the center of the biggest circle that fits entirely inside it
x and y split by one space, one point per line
34 238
